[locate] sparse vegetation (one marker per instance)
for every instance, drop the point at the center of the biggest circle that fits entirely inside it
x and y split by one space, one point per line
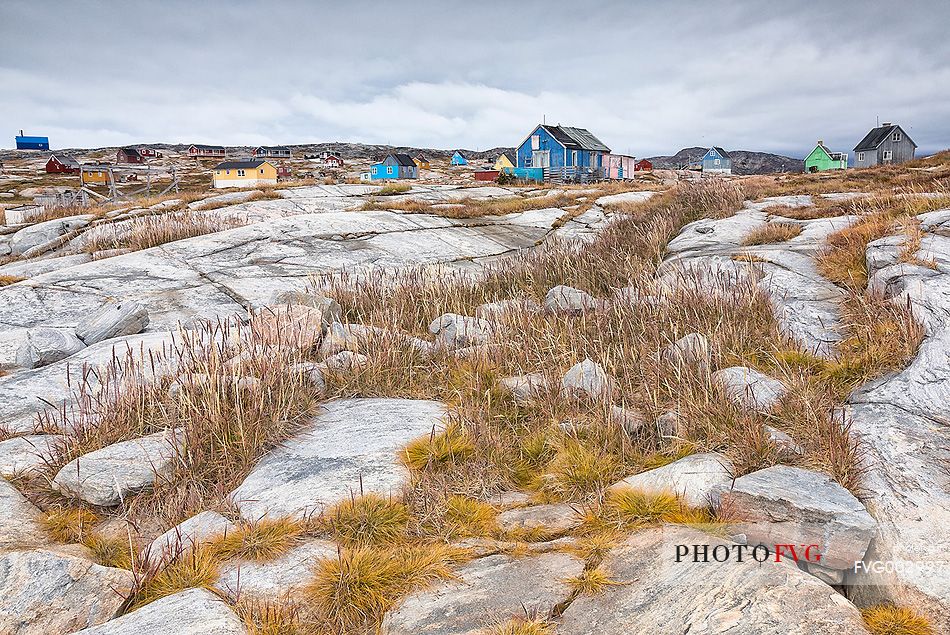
885 619
772 233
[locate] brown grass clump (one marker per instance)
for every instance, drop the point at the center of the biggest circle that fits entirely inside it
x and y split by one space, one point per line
772 233
591 582
391 189
77 525
367 520
522 627
350 593
159 229
190 568
475 208
266 539
439 450
844 261
6 280
885 619
266 617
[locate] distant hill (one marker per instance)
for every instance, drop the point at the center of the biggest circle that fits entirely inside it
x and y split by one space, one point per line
743 161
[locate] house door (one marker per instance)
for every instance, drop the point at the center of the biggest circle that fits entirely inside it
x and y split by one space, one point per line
541 159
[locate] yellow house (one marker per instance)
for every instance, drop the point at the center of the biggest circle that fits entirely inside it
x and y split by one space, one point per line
505 162
250 173
95 174
422 162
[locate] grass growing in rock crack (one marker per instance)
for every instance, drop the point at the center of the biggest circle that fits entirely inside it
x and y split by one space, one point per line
522 627
266 539
475 207
367 520
886 619
77 525
772 233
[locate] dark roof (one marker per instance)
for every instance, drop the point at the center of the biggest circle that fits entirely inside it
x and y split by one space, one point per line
274 148
576 138
404 160
240 165
65 159
511 157
421 158
877 136
722 153
201 146
132 152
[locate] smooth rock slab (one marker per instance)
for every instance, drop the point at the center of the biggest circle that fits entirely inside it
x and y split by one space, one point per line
350 440
191 612
46 592
47 345
275 578
696 479
489 590
109 475
20 455
789 505
660 595
748 388
113 320
19 519
554 518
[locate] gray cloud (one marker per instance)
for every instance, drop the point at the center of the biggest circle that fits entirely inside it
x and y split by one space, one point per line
646 77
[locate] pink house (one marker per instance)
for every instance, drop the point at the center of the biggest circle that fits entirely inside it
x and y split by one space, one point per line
619 166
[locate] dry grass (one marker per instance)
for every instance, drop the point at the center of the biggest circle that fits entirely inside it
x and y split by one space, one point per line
266 539
367 520
391 189
476 208
772 233
6 280
77 525
885 619
190 568
522 627
159 229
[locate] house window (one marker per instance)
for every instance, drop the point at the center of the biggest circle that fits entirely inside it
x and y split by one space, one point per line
887 155
389 169
240 172
717 162
535 142
574 157
860 156
896 136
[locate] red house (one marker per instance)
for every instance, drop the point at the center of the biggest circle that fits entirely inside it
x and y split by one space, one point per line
62 164
129 155
149 152
332 161
643 166
284 172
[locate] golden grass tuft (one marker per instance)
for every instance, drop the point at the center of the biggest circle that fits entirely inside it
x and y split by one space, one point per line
70 524
191 568
391 189
522 627
466 517
439 450
351 593
771 233
885 619
266 539
578 471
591 582
367 520
271 617
6 280
844 261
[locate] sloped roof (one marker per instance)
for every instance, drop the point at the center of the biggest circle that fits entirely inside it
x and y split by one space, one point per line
721 152
240 165
404 160
877 136
204 147
132 152
576 138
65 159
274 148
510 156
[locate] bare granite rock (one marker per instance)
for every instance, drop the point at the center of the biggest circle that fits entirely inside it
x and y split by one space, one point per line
749 388
20 455
488 590
789 505
274 578
453 331
502 308
45 592
563 299
692 348
343 362
351 447
657 594
113 320
20 524
47 345
106 476
585 380
294 325
551 519
185 535
696 478
190 612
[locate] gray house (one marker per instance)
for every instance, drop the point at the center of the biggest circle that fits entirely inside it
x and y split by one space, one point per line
887 143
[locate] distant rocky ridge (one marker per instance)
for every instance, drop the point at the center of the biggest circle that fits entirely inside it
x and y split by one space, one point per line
743 161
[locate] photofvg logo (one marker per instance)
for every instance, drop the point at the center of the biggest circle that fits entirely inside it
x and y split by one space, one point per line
799 554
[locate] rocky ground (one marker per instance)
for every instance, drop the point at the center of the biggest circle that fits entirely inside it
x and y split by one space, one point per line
334 417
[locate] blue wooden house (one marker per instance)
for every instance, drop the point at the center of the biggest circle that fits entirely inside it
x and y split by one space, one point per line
717 161
562 149
458 159
394 166
31 143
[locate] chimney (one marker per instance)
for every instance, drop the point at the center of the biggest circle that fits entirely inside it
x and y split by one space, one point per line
886 124
821 142
21 133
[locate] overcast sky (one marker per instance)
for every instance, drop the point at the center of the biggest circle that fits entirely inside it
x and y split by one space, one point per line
645 77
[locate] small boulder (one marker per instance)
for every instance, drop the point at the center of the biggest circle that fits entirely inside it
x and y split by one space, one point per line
691 349
313 373
524 388
44 232
782 441
548 520
670 424
343 362
697 479
452 331
630 421
47 345
293 325
347 337
107 476
585 380
748 388
276 578
790 505
45 592
20 524
186 534
113 320
563 299
329 308
189 612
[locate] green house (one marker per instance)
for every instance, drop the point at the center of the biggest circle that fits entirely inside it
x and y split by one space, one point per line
821 159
